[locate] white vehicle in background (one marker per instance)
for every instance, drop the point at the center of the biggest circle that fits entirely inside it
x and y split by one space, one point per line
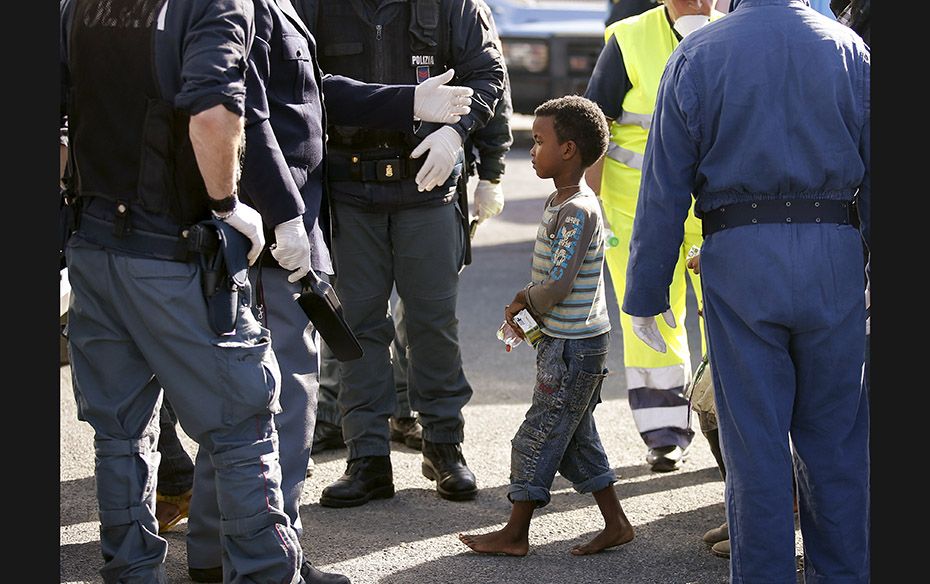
550 46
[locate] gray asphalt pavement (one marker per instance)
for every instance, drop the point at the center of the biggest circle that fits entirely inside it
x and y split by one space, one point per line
412 537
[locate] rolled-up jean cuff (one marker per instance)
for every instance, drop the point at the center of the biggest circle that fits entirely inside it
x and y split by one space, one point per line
598 483
525 492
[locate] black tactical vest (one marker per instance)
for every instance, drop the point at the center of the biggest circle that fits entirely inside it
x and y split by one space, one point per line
351 45
130 146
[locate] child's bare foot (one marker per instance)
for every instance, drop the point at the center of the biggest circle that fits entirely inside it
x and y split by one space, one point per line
496 542
612 536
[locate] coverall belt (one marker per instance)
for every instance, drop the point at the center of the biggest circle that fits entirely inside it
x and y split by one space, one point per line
383 170
179 248
793 211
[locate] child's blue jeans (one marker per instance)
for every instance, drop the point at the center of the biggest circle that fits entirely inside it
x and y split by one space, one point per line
559 433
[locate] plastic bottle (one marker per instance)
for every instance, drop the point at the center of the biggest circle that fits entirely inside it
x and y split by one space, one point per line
610 240
507 336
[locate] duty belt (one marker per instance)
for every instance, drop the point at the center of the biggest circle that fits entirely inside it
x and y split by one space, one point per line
183 247
353 168
774 211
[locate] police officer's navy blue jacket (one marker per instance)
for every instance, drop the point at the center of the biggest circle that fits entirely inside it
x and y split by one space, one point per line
359 40
160 184
283 167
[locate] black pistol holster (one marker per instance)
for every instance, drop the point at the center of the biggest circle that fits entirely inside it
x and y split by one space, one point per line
224 264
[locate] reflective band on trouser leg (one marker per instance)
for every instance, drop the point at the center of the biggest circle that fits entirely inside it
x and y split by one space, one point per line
660 411
655 381
259 543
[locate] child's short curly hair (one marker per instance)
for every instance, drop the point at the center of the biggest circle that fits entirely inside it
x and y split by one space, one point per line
578 119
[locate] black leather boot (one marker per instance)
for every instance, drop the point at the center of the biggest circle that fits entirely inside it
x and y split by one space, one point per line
445 464
366 478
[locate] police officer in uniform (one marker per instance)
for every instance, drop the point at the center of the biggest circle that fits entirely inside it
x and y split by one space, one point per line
485 151
282 175
396 221
155 136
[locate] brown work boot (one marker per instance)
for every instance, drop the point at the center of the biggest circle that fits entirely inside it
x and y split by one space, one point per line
717 534
171 509
407 431
721 549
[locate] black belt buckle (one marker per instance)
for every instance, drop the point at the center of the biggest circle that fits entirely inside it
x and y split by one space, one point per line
389 169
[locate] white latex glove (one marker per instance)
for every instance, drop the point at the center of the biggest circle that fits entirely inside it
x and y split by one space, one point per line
248 222
434 101
444 146
489 200
647 329
292 247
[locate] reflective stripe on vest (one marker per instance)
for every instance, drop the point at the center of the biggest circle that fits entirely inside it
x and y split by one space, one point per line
627 157
644 121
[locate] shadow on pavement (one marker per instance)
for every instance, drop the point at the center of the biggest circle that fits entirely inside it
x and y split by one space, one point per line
78 501
665 551
417 514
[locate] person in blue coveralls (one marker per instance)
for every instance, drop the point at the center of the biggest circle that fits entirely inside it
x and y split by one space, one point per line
765 116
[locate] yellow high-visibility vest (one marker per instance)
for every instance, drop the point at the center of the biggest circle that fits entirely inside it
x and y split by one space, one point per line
646 41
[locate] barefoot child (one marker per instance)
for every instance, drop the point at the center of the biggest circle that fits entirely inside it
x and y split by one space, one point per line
566 297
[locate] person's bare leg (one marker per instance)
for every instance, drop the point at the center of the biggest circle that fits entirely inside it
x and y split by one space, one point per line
513 539
617 528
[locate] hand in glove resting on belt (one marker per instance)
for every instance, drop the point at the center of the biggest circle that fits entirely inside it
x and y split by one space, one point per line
292 248
489 199
444 146
647 329
248 222
434 101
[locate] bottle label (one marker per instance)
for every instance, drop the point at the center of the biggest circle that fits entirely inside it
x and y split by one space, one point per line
529 326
